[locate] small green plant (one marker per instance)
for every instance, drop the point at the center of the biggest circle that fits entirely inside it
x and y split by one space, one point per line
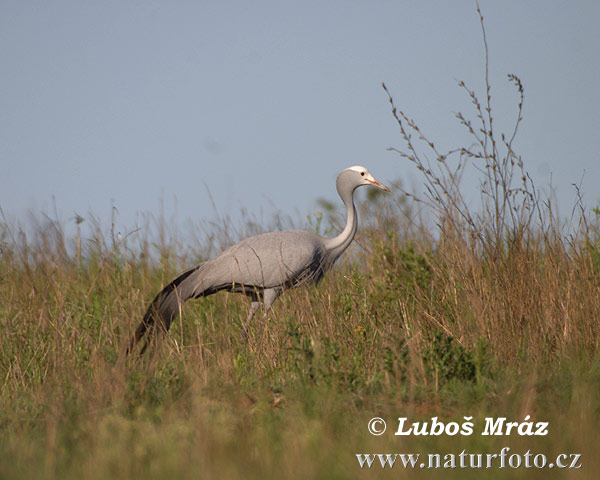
317 225
445 360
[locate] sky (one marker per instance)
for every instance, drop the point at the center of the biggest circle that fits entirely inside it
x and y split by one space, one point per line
212 108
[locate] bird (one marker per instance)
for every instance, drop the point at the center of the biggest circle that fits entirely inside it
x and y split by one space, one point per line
260 267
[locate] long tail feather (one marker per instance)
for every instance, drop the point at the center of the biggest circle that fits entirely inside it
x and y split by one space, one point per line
164 308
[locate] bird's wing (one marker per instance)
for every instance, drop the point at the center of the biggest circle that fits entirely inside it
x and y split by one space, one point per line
271 260
166 305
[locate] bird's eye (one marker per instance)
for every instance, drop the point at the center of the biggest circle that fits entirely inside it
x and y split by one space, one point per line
362 174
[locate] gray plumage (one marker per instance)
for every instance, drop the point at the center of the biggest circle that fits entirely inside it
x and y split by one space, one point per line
260 267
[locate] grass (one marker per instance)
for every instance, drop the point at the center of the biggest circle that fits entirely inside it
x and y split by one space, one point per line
417 328
488 311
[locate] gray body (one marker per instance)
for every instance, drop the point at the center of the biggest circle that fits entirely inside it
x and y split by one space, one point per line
261 266
272 260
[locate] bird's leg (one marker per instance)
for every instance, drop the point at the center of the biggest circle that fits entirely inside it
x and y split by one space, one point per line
254 306
269 296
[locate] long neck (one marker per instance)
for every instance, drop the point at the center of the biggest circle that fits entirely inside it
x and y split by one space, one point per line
336 246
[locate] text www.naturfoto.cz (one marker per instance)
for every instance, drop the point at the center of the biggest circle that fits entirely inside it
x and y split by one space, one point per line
504 459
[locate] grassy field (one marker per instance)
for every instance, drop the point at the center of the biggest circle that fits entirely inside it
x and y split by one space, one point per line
481 312
414 326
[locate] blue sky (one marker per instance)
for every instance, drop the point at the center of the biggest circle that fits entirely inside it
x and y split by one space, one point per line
262 103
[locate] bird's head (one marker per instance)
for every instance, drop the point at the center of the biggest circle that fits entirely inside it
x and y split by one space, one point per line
356 176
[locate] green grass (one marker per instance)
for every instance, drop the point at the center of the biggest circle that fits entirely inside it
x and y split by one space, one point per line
415 329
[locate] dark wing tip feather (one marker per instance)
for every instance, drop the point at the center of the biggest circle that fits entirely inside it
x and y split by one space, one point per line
154 312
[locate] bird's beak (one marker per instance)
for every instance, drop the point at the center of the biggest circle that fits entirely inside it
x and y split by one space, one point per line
378 184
